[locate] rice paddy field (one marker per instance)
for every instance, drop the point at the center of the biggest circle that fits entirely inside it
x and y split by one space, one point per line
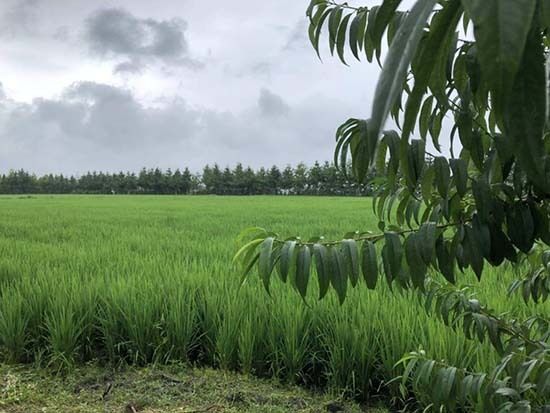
140 280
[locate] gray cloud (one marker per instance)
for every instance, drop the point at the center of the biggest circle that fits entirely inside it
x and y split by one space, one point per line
115 33
297 38
271 104
93 126
130 67
19 18
170 116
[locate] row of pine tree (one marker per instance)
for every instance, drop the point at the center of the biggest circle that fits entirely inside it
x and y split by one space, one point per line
319 179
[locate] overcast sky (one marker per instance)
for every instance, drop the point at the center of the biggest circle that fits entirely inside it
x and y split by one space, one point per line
118 85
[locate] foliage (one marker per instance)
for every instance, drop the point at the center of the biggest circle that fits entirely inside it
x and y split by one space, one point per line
320 179
440 215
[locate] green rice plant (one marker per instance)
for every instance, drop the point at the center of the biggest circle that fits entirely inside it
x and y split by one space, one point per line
64 329
140 280
349 341
13 326
180 316
290 336
252 339
140 309
228 325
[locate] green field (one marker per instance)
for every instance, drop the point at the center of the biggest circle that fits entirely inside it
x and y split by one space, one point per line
149 279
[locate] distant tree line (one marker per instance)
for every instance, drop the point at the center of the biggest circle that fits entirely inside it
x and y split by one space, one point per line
319 179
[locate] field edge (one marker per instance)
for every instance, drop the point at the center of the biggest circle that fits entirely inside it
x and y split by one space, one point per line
155 389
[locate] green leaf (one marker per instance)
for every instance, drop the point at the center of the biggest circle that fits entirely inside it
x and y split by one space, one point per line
248 266
361 151
473 249
460 175
266 261
500 30
303 264
444 384
435 49
322 264
427 238
445 260
543 383
544 14
368 40
384 15
392 255
357 32
341 38
286 262
521 228
425 113
338 279
397 62
435 127
351 255
415 261
442 175
413 161
369 264
427 184
501 247
524 372
525 113
482 235
315 28
483 197
246 248
333 24
252 233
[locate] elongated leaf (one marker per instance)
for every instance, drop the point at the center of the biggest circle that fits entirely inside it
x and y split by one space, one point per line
445 260
351 255
442 175
333 24
287 259
384 15
460 175
397 62
520 225
303 264
369 264
392 254
338 276
483 197
436 49
265 263
341 38
525 113
322 264
425 114
315 28
473 249
244 250
417 266
427 238
500 30
355 35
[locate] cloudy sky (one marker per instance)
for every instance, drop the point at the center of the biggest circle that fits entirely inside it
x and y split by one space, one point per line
117 85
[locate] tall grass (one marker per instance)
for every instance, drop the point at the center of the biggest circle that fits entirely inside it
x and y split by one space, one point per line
149 279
